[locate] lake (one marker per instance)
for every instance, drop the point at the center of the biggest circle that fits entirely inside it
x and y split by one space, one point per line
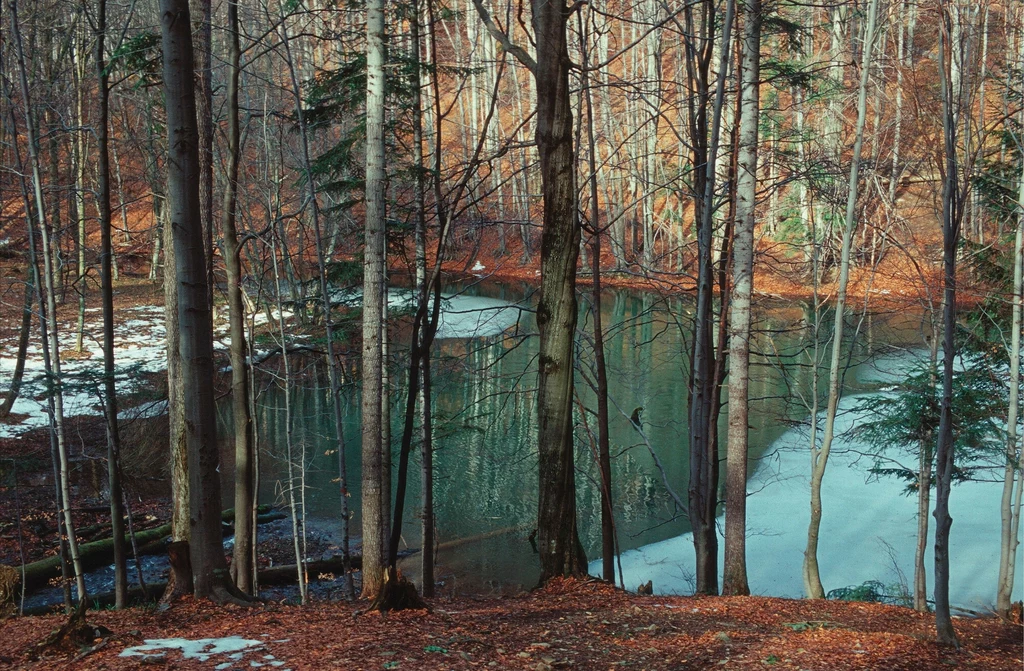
485 426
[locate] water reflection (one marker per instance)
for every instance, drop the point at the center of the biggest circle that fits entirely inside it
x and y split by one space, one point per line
485 428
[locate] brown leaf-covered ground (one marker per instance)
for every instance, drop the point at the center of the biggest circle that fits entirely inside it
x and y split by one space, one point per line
569 624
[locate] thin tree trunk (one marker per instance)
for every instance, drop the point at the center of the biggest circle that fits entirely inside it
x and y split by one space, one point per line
926 458
952 210
819 456
325 296
603 441
702 491
242 568
107 291
735 573
33 270
1010 505
424 401
49 262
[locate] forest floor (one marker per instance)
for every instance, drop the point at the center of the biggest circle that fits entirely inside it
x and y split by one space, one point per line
567 625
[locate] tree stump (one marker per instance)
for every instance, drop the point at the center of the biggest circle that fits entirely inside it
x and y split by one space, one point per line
179 582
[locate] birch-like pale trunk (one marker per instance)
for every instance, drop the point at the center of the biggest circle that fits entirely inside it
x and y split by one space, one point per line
49 293
734 576
374 522
702 490
1013 483
819 456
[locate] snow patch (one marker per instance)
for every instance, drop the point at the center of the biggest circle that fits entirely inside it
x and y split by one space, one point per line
868 527
201 649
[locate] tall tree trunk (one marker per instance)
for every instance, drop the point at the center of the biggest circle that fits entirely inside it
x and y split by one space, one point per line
107 291
49 267
1010 505
819 456
242 569
952 211
422 291
702 490
373 475
735 573
603 441
561 553
325 297
194 316
203 55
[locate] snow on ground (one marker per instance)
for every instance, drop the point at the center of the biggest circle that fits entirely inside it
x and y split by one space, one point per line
868 528
232 648
462 316
140 348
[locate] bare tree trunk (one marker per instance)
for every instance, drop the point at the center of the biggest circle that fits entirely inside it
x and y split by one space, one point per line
49 263
36 282
926 458
952 211
203 54
702 490
242 569
325 296
735 574
374 521
107 291
603 441
561 553
424 401
819 456
1010 505
194 315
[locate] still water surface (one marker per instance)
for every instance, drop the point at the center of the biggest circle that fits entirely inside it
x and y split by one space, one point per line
484 418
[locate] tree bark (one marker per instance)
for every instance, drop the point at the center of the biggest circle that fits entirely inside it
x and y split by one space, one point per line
242 565
49 263
107 292
23 332
194 314
819 456
702 490
1010 505
952 211
561 553
735 573
373 475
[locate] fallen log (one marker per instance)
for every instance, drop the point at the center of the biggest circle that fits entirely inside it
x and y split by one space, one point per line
288 573
284 574
100 553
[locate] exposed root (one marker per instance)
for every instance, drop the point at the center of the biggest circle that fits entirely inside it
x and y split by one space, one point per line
225 591
73 635
397 593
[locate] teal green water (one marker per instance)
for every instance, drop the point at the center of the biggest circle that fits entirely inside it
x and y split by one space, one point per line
485 427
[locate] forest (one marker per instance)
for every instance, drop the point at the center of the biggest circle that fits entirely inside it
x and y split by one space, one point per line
430 314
